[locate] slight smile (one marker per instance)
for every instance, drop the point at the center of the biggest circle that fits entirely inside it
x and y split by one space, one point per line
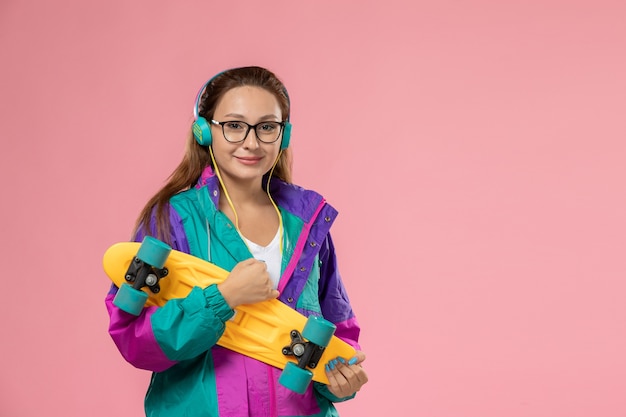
250 160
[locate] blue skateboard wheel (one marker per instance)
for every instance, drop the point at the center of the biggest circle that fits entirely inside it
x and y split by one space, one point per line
295 378
153 252
130 300
318 330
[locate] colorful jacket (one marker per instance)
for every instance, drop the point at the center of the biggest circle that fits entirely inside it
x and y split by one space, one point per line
192 376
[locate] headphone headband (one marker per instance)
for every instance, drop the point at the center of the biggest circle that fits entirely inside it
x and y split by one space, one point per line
196 107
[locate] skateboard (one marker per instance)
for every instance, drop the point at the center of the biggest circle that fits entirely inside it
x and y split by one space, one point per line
151 273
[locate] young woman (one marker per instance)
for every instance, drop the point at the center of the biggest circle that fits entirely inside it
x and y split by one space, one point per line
230 202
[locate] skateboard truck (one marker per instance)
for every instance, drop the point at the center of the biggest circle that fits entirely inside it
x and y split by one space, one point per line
141 274
308 348
308 354
145 270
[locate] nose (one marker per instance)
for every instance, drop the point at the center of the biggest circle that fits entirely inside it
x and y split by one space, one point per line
251 141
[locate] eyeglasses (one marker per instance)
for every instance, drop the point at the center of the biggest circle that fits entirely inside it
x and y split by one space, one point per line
235 131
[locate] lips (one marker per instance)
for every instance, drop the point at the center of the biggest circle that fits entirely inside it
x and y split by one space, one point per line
248 160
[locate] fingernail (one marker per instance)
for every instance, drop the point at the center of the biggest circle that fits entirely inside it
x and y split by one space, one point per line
352 361
342 360
327 367
331 365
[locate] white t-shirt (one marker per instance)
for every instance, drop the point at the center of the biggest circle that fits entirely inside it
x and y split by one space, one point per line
269 254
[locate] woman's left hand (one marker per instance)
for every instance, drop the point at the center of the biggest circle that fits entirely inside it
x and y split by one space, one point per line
346 376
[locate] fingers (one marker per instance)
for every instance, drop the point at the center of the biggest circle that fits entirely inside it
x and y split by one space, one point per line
248 283
359 357
346 377
264 280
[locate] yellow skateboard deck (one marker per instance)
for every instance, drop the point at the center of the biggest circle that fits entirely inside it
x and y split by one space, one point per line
260 331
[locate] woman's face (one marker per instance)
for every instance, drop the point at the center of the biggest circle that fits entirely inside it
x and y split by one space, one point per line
249 160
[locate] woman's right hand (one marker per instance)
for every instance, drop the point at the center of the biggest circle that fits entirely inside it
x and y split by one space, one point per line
248 283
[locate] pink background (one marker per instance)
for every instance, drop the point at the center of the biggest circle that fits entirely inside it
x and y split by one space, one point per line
475 151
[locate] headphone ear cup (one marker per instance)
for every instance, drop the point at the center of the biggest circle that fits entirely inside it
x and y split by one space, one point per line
202 132
286 136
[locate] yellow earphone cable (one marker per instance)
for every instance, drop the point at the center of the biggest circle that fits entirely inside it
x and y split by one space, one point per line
267 190
232 206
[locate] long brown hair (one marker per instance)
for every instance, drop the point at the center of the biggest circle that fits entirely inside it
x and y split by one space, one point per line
197 157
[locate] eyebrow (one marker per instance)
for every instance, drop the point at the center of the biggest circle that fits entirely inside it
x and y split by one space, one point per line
241 116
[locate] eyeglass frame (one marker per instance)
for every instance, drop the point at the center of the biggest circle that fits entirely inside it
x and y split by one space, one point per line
281 124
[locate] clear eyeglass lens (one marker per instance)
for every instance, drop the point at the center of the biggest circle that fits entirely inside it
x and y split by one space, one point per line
266 131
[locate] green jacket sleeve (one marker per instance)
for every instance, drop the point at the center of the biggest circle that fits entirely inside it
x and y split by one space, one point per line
323 389
185 328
